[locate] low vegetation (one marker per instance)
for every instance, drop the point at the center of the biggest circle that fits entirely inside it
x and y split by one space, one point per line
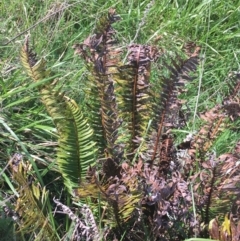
134 136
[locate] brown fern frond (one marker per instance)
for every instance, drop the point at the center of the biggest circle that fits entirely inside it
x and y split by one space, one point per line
215 120
168 107
140 57
218 184
207 134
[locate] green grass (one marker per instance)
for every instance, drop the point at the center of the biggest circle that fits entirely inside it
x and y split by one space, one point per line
24 125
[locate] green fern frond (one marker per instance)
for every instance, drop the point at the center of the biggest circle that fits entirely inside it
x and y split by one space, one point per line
94 113
76 150
76 144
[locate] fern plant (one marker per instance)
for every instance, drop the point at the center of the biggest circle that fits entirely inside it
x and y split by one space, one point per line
130 179
150 162
137 175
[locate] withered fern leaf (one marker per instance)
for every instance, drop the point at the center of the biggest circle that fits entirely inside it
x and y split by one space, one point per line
219 185
29 204
216 177
217 119
138 100
166 105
